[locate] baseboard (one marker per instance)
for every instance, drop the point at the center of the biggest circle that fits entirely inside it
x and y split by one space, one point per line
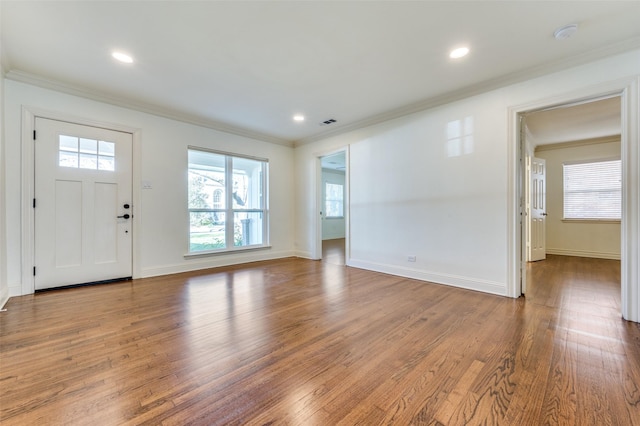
583 253
197 264
467 283
304 255
4 296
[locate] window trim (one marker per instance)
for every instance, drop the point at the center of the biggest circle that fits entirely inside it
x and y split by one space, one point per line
229 211
588 219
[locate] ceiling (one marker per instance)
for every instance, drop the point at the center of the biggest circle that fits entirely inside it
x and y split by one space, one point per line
247 67
570 123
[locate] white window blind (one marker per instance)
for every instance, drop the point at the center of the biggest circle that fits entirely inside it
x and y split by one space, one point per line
593 190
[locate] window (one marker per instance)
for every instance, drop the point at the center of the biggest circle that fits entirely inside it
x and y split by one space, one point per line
227 202
593 190
84 153
334 204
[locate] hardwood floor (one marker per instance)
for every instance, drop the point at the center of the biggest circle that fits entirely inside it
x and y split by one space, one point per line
302 342
333 251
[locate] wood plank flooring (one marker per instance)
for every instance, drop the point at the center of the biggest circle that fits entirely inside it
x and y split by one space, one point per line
302 342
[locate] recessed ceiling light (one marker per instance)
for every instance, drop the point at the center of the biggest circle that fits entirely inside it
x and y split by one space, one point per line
298 117
459 52
122 57
565 32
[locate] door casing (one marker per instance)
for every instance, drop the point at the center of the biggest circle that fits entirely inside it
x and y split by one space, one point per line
628 91
29 115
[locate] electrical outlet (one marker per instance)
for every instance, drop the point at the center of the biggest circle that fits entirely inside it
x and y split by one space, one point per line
411 258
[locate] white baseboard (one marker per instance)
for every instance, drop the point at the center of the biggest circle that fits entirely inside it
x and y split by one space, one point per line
304 255
196 264
4 296
583 253
467 283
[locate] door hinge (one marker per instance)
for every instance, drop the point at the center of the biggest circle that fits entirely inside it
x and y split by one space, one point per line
34 135
34 203
34 271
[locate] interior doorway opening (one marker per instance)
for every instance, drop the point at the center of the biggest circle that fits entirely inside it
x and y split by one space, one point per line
587 132
333 207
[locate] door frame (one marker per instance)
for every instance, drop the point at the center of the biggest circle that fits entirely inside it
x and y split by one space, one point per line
319 205
627 90
29 115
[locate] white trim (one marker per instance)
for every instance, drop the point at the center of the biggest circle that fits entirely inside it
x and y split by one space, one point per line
29 115
215 262
4 296
304 255
583 253
316 252
156 110
627 89
431 102
486 86
486 286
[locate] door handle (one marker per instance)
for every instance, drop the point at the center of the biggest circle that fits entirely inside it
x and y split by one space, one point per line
544 214
124 216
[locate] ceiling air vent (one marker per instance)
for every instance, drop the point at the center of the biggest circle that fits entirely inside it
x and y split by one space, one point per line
327 122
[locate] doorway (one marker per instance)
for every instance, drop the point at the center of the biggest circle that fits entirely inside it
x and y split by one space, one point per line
82 204
333 201
584 134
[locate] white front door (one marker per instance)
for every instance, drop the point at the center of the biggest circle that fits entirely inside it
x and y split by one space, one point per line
82 204
537 226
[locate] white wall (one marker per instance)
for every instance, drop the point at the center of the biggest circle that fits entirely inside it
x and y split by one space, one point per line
332 228
162 234
586 239
409 196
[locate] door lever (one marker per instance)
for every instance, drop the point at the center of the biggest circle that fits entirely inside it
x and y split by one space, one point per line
124 216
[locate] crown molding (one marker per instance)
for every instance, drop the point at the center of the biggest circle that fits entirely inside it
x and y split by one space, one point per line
83 92
573 144
483 87
432 102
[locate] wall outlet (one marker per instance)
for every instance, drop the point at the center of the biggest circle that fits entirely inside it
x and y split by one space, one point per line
411 258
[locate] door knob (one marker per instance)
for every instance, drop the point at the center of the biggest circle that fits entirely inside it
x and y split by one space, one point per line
124 216
544 214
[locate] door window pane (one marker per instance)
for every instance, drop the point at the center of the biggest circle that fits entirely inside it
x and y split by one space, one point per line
85 153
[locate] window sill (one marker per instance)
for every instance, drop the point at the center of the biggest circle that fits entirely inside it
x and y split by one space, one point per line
225 251
334 217
613 221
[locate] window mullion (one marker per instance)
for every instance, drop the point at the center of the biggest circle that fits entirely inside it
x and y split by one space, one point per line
228 185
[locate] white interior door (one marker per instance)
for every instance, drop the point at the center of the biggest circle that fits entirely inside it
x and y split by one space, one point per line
538 214
82 204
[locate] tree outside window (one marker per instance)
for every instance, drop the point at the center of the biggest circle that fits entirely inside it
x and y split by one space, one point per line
227 201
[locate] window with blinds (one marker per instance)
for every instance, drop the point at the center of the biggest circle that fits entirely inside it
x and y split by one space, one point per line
593 190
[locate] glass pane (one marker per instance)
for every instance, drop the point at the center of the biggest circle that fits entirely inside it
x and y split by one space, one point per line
88 161
68 159
107 148
247 183
206 180
68 143
207 231
247 229
106 163
88 146
334 194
